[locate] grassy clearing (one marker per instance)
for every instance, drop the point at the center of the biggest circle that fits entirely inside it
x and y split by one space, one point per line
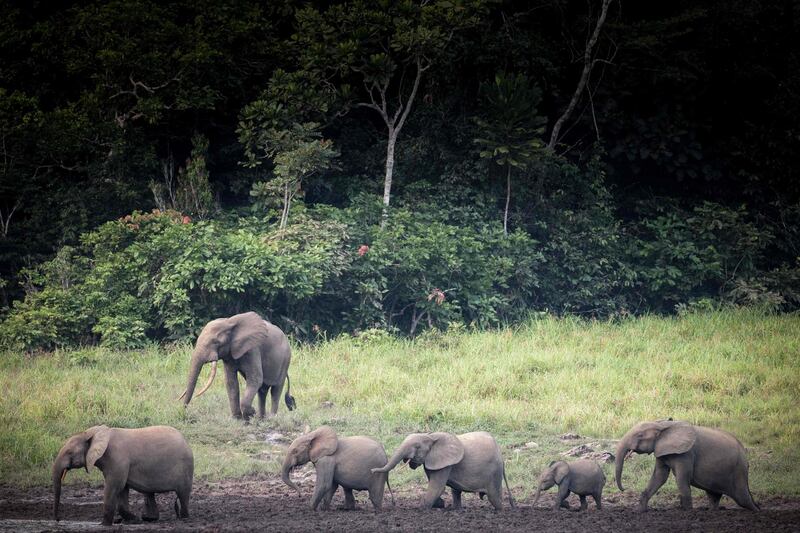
739 370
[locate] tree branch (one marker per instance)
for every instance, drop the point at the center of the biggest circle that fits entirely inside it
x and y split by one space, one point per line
587 67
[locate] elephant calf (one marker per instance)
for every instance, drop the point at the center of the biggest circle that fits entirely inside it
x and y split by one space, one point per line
150 460
466 463
706 458
345 461
583 477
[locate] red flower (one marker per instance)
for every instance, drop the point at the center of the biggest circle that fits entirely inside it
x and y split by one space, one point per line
186 219
363 249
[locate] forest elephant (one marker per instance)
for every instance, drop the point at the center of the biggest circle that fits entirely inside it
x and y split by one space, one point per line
583 477
709 459
149 460
466 463
252 347
345 461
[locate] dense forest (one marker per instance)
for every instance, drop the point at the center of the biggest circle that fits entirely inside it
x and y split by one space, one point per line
401 165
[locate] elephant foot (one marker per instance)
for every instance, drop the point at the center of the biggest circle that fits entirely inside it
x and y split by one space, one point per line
346 508
438 503
686 503
146 518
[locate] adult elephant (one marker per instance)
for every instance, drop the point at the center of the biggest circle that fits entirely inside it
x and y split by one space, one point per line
709 459
249 345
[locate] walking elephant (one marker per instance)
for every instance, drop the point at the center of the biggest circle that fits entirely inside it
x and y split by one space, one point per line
466 463
345 461
249 345
709 459
149 460
584 477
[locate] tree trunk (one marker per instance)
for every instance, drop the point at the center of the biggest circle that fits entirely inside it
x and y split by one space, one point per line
387 180
508 201
286 201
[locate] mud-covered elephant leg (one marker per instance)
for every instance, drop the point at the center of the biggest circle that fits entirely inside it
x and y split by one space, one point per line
262 401
326 500
456 498
253 381
377 486
683 479
275 398
150 508
659 477
232 386
584 504
111 496
494 493
349 500
437 480
598 498
124 507
713 499
325 467
561 497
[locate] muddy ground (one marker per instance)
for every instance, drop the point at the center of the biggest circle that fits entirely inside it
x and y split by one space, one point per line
255 504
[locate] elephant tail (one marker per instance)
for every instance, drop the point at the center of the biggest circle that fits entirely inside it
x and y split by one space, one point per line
508 489
288 398
390 489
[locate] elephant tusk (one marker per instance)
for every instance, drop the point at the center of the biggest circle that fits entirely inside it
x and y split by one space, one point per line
210 379
63 475
182 395
629 454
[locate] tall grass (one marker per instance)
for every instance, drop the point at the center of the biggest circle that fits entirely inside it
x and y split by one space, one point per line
738 370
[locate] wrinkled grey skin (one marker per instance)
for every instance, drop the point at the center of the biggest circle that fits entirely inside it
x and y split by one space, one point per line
466 463
252 347
345 461
583 477
709 459
149 460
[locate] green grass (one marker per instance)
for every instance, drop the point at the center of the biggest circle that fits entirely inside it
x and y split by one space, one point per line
738 370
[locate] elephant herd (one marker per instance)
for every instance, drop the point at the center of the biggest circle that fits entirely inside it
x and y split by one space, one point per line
157 459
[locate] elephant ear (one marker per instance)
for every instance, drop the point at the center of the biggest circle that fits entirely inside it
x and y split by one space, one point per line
447 450
99 437
676 438
324 442
560 471
248 332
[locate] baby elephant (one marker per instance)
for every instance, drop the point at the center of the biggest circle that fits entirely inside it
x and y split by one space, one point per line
345 461
583 477
149 460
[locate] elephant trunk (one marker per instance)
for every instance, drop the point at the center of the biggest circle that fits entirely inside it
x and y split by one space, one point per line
288 464
59 472
538 493
398 456
194 372
623 448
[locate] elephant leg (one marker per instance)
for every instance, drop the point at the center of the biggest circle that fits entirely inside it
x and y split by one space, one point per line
326 500
598 497
111 496
183 497
659 477
561 497
325 467
232 386
713 499
495 492
584 504
376 487
124 506
262 400
253 381
456 498
683 478
275 398
349 501
437 480
150 508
